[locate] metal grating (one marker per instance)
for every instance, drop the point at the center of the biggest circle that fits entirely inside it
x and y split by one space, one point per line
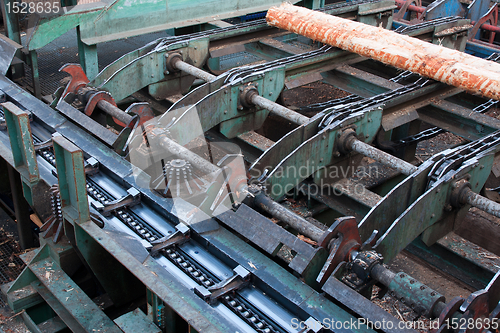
64 50
10 264
237 59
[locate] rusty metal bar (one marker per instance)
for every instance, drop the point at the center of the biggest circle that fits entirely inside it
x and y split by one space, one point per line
382 157
177 63
413 8
297 222
452 67
264 103
279 110
181 152
485 204
115 112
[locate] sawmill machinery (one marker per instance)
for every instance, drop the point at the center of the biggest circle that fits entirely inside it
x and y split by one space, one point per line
177 210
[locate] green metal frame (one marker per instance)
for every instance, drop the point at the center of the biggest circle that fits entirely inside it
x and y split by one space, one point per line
23 149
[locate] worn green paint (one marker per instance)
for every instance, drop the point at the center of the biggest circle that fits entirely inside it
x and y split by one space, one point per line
21 141
378 14
317 152
267 270
145 66
428 208
125 19
88 57
48 29
72 181
35 77
136 321
67 299
121 286
269 85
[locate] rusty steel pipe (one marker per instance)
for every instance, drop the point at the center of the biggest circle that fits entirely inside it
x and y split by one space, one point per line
254 98
177 63
382 157
348 142
478 201
452 67
279 110
413 8
283 214
115 112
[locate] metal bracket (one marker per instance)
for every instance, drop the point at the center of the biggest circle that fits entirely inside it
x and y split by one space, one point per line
78 79
239 280
179 237
131 199
43 145
342 238
91 166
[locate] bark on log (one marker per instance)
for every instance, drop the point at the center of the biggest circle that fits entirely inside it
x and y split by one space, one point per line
452 67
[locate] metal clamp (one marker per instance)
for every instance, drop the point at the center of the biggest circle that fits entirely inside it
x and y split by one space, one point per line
239 280
131 199
179 237
91 166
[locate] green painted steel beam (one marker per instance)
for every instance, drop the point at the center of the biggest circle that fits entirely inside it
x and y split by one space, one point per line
72 180
458 120
125 19
23 149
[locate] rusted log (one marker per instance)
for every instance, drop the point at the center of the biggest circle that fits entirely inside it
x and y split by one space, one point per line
452 67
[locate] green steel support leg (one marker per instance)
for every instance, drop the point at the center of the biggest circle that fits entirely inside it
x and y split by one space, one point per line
33 58
21 209
11 22
23 150
72 181
88 57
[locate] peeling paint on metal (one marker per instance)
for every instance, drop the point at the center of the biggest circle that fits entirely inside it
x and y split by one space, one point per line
455 68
